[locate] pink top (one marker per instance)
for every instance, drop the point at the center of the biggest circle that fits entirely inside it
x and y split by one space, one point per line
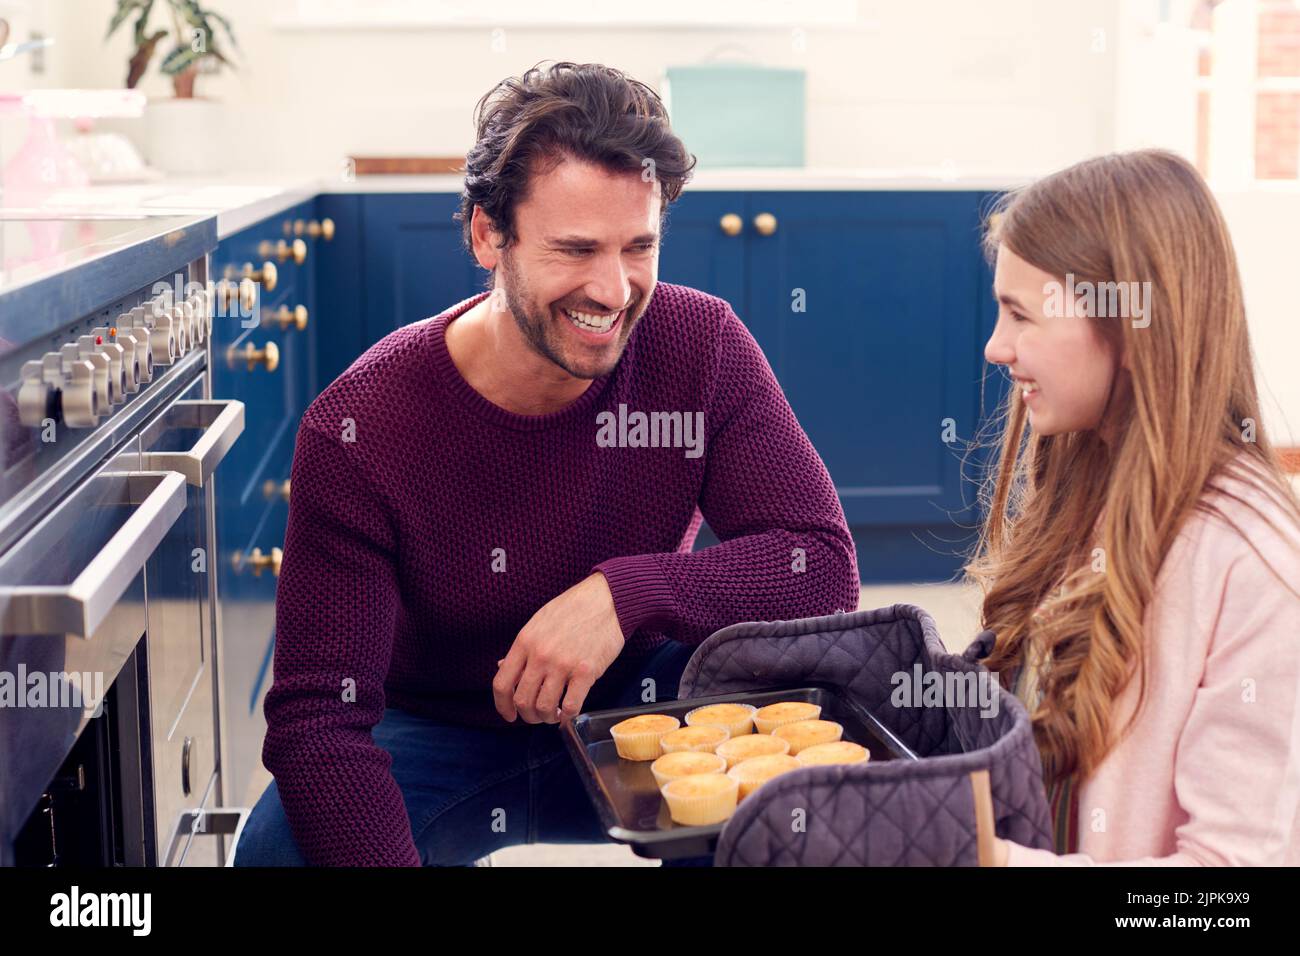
1210 773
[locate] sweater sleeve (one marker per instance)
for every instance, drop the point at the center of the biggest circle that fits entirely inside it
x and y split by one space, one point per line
1235 772
785 551
336 606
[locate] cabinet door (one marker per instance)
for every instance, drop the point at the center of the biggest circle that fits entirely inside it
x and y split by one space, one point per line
870 302
339 313
697 252
414 265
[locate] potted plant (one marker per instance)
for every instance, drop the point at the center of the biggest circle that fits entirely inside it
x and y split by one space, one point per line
184 132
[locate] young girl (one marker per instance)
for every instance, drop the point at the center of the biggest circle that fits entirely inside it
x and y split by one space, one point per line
1141 556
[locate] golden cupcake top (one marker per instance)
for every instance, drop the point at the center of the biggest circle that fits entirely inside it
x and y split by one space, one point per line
805 733
687 738
763 768
720 714
752 745
837 751
646 724
788 711
684 762
699 785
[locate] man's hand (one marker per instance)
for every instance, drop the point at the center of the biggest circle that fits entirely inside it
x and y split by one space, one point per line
569 643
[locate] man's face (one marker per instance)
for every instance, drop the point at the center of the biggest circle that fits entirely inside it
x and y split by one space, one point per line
588 242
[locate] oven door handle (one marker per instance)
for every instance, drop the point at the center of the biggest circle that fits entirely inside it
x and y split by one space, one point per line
222 422
79 608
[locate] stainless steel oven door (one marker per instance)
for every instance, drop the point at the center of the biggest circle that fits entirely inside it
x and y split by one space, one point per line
72 611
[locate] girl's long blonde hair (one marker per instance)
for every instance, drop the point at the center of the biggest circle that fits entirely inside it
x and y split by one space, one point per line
1181 419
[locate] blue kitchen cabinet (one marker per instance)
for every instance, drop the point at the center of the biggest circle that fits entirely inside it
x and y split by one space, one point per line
872 308
413 263
340 314
869 302
697 250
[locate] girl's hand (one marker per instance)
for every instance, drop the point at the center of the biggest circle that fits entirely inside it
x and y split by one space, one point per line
1001 851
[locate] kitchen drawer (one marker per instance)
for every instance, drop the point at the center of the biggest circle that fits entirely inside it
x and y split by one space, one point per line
184 760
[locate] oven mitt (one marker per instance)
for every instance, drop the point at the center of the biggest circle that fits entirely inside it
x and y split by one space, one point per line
979 772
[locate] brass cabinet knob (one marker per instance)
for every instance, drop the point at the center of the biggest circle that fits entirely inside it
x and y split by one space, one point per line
297 317
765 223
315 230
995 220
271 488
268 356
257 562
731 224
282 250
245 289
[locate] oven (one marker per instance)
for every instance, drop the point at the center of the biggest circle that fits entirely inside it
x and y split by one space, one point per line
110 441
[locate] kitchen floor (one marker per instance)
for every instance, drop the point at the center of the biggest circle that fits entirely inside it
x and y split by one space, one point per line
954 607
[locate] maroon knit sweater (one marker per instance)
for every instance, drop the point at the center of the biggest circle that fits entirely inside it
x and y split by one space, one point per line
410 489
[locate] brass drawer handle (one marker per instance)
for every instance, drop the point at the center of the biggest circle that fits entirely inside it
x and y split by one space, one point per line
267 275
268 356
731 224
245 290
315 230
271 488
297 317
297 250
259 562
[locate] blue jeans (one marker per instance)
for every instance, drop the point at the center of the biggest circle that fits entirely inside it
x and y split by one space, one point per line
470 791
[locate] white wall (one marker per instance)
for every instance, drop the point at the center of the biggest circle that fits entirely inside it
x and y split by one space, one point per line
996 85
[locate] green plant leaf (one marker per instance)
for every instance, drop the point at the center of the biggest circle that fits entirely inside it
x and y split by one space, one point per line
190 12
124 8
178 60
141 23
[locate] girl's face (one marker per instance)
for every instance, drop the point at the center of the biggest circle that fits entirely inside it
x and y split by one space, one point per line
1061 364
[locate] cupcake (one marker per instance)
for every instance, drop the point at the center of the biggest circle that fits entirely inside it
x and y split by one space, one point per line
683 763
737 718
839 751
767 719
701 799
751 745
704 738
808 733
756 771
637 738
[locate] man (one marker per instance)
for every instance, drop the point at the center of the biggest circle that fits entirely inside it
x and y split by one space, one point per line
494 509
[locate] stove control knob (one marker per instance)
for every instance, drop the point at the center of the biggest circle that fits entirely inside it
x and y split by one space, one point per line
90 344
36 396
99 362
124 347
143 350
75 380
202 316
162 338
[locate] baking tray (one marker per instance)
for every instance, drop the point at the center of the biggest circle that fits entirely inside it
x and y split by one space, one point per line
624 792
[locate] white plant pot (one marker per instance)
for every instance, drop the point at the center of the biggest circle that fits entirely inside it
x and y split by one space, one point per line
185 135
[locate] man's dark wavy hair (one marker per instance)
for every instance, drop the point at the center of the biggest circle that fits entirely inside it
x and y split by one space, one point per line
529 124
